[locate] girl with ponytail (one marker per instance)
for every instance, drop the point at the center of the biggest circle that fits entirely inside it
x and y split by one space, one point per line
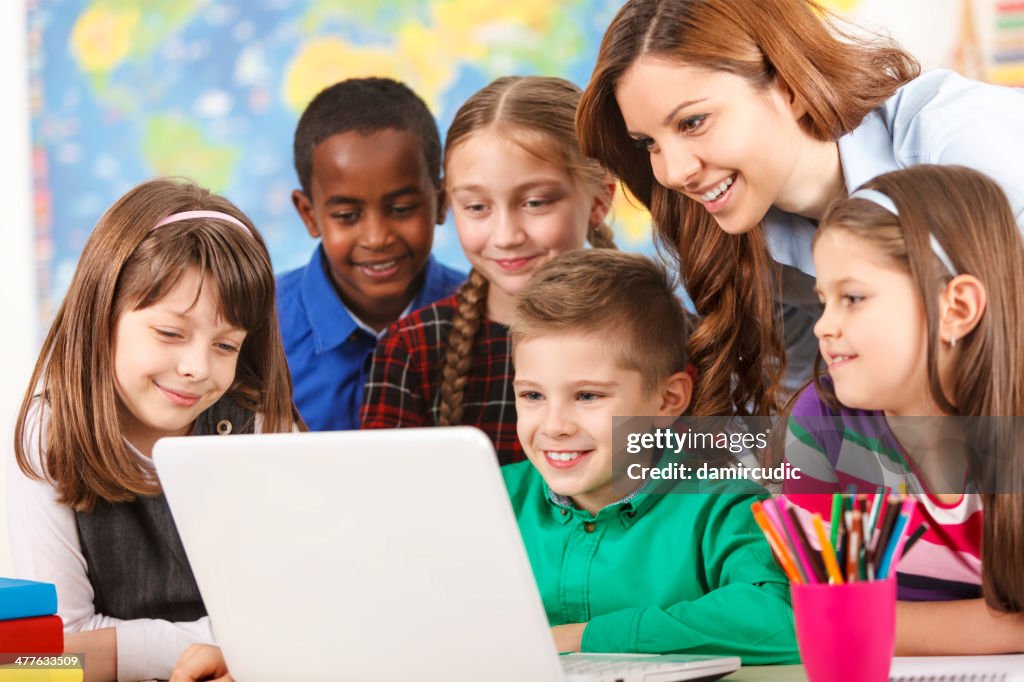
521 192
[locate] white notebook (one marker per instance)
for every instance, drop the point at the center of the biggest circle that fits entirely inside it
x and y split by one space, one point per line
958 669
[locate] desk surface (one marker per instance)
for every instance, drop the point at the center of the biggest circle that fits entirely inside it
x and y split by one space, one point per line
918 668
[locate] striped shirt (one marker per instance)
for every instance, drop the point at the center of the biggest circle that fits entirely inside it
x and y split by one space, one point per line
839 448
404 385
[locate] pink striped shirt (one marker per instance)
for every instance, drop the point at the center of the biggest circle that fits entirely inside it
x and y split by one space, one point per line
841 449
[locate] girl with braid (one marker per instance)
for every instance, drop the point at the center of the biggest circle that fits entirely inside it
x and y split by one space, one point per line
521 192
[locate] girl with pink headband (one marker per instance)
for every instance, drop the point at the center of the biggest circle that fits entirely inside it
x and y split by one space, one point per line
168 329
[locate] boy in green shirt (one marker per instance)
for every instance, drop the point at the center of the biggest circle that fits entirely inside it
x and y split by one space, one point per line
596 334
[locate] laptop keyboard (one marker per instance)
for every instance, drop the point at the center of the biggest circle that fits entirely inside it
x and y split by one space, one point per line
606 668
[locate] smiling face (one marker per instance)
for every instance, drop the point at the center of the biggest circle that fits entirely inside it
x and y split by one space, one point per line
513 212
873 333
568 387
713 137
374 206
172 360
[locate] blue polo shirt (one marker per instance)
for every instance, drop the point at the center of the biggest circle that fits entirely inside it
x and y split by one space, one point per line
328 348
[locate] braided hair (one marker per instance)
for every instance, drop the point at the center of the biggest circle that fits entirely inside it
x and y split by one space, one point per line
539 106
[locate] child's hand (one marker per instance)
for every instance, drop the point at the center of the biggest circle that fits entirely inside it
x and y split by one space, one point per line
201 662
568 638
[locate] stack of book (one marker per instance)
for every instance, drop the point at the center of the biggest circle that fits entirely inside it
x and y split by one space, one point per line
28 620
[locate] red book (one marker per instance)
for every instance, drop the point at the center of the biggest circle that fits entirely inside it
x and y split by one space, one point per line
39 635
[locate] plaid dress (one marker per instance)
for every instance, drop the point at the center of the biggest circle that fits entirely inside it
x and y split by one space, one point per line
405 378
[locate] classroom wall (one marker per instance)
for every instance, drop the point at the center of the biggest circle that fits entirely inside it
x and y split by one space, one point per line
927 28
18 340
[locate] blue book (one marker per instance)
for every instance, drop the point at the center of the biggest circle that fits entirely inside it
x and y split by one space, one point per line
26 599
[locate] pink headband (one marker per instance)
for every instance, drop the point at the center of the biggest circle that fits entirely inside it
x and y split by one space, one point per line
188 215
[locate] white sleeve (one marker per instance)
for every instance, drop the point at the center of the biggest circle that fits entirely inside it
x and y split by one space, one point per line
148 648
45 547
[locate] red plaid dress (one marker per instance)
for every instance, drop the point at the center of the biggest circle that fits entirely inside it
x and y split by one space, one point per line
404 379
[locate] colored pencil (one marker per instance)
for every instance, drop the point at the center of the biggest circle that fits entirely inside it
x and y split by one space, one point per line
814 561
827 551
873 533
776 543
894 540
869 528
853 547
802 560
834 522
858 524
879 521
909 505
883 534
914 537
844 541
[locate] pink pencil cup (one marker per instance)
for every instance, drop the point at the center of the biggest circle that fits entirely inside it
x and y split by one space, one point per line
846 632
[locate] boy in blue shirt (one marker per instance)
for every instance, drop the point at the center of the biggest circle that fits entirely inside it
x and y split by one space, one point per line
368 156
627 567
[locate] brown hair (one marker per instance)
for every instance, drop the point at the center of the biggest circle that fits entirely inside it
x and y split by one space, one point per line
594 290
835 76
972 220
538 113
126 265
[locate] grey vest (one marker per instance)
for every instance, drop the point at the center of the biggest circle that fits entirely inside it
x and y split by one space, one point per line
136 564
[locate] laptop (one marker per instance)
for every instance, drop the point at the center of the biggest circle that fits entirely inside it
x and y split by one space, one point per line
373 556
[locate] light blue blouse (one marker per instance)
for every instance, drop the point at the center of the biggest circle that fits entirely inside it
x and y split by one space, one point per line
939 117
